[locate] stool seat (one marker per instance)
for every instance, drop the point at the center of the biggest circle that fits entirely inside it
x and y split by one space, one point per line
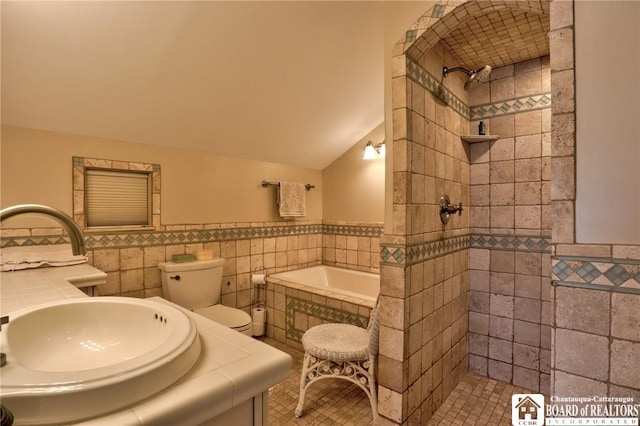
337 342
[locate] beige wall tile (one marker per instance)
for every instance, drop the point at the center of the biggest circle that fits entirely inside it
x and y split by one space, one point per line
500 350
503 88
583 354
625 363
131 258
503 126
502 172
582 309
526 333
500 371
527 83
526 378
501 305
131 280
625 317
107 260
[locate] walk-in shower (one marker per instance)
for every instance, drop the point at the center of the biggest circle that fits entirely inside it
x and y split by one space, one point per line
475 77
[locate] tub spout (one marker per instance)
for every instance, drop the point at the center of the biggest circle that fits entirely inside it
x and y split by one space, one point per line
74 231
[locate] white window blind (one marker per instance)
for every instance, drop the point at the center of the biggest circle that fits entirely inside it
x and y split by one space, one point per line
116 198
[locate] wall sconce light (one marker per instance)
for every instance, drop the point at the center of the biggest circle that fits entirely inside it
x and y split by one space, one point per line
371 151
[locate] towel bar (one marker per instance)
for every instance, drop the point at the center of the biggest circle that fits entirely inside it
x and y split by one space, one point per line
266 183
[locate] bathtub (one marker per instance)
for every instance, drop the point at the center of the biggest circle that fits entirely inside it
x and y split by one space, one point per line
299 299
358 284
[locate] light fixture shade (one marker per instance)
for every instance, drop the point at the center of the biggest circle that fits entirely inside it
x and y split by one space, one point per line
369 152
382 150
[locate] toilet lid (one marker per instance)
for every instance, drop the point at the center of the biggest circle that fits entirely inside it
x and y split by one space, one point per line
229 317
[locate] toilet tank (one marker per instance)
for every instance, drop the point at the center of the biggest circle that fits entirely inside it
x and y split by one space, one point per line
192 285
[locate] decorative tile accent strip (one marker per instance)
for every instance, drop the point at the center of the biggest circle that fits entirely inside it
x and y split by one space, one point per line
155 238
438 11
399 255
530 243
410 36
432 84
351 230
297 306
511 106
617 275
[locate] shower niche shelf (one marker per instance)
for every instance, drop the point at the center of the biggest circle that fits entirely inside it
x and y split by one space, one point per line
479 138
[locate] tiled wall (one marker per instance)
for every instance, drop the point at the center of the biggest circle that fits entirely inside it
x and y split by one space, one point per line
352 245
596 341
423 352
293 309
510 299
130 259
597 334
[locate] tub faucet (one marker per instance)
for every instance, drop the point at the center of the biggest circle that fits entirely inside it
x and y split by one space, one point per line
74 231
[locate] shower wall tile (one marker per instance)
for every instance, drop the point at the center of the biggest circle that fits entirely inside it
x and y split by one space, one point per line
425 271
513 233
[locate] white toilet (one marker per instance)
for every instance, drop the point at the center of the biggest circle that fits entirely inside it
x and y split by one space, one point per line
196 286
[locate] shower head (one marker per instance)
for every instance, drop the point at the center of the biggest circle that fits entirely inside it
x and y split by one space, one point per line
475 77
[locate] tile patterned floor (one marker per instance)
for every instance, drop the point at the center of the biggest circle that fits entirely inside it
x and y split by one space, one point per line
476 400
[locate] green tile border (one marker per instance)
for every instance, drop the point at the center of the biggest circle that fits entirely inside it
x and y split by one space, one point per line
108 240
401 255
614 275
528 243
353 230
326 313
511 106
433 85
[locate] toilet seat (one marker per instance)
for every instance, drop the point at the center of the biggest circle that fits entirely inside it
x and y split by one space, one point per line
229 317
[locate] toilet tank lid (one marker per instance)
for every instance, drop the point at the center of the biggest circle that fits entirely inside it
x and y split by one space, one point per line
190 266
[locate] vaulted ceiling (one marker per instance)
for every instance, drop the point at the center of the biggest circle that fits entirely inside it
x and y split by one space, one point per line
289 82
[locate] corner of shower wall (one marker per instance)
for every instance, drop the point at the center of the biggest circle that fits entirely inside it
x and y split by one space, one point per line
424 264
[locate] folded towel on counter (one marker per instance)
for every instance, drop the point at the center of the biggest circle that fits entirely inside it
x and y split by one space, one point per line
291 200
18 258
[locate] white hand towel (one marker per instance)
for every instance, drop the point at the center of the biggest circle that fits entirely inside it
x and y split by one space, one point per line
17 258
291 199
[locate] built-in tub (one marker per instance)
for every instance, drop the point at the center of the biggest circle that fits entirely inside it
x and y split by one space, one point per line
299 299
363 285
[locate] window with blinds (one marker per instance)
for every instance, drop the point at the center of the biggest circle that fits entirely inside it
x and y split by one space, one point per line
117 198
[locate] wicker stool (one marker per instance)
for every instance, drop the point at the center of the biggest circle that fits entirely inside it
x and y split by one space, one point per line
341 351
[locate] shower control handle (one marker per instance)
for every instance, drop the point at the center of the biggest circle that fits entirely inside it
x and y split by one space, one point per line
175 277
447 209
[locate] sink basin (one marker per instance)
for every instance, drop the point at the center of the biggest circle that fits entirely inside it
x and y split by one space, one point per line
76 359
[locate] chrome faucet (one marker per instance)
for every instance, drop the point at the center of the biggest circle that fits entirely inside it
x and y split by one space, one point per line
74 231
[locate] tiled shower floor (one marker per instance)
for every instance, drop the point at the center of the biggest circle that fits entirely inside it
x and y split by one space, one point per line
476 400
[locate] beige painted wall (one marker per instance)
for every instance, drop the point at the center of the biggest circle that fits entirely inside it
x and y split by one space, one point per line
353 188
196 188
608 125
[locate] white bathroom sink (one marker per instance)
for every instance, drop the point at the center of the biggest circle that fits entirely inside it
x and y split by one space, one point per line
81 358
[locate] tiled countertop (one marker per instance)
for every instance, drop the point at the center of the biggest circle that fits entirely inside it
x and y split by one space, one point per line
232 367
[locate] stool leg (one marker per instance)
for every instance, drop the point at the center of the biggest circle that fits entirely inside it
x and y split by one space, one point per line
303 388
